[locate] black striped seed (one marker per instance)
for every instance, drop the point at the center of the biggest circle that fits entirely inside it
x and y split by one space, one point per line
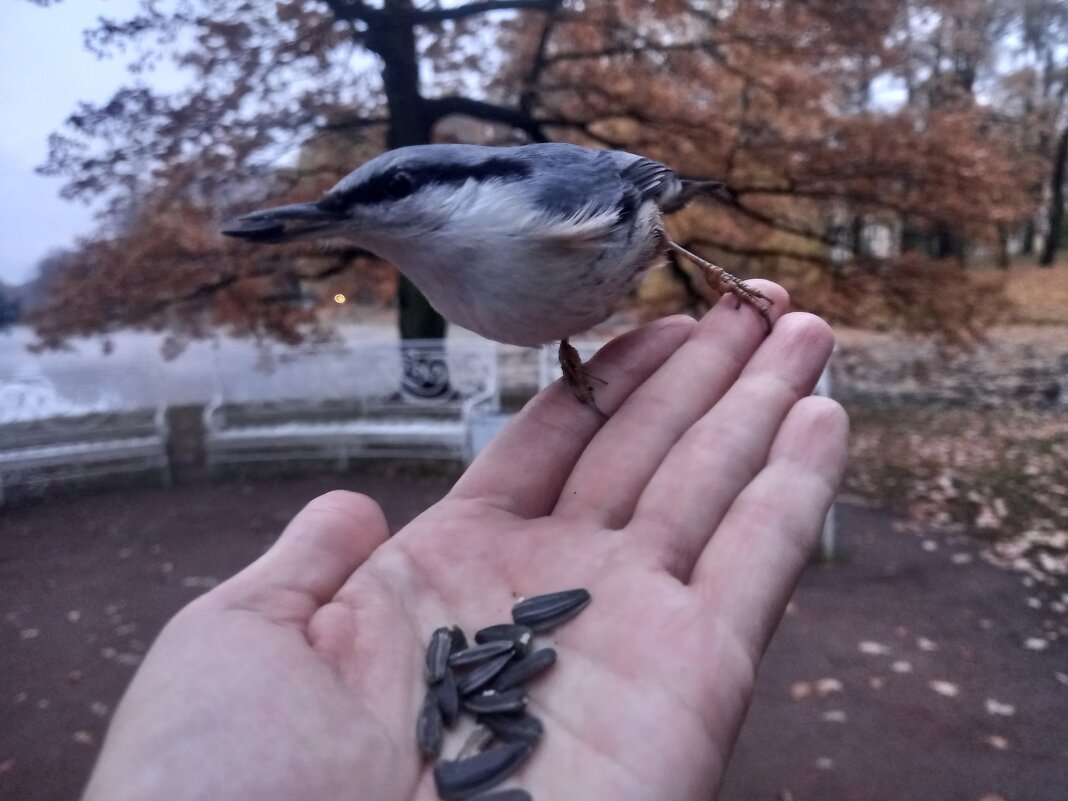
492 702
514 794
437 655
513 728
522 636
481 653
429 733
448 697
544 612
482 675
524 669
463 778
476 742
459 640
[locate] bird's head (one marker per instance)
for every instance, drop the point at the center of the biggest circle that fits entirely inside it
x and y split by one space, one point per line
392 198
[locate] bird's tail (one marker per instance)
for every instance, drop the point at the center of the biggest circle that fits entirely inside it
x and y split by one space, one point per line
688 190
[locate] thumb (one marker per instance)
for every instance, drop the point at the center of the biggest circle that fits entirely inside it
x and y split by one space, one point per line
318 551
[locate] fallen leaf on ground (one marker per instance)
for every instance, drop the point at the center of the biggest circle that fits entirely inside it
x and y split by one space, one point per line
1036 644
74 615
873 648
901 666
834 716
800 689
946 688
925 644
997 708
828 686
824 763
876 682
83 737
29 634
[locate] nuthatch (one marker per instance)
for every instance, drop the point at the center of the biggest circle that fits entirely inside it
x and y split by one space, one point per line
523 245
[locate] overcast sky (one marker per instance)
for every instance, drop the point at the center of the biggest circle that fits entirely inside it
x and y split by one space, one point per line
44 71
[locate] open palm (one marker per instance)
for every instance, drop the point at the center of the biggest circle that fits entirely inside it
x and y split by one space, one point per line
688 515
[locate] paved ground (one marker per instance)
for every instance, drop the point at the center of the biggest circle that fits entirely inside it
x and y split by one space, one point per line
900 673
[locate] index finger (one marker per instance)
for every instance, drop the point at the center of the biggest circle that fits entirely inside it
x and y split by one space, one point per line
525 466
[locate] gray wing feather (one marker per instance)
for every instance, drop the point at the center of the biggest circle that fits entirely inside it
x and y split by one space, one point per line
648 177
568 180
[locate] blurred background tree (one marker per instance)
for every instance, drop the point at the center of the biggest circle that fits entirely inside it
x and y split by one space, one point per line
875 149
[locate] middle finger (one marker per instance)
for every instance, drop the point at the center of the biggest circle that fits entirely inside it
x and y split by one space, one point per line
627 451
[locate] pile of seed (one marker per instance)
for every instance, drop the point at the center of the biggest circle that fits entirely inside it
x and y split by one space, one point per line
486 680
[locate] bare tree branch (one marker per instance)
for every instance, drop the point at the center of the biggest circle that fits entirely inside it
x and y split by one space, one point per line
354 10
538 64
482 7
441 107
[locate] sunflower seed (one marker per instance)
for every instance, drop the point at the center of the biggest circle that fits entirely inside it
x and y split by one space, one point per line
520 635
429 733
543 612
459 641
476 742
483 674
462 778
480 653
492 702
514 794
513 728
448 697
437 655
527 667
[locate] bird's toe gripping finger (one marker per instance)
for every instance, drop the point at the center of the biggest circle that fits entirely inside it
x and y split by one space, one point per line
577 382
745 294
578 377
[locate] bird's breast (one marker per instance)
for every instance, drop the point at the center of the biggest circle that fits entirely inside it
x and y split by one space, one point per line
529 290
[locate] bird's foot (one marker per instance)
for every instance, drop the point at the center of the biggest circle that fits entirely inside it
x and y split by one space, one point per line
577 376
723 282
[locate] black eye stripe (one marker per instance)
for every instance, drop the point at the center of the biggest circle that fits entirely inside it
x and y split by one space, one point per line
401 182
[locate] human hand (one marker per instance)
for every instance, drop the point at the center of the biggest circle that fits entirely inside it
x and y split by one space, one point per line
689 516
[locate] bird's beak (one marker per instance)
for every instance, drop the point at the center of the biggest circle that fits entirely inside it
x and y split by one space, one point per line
286 224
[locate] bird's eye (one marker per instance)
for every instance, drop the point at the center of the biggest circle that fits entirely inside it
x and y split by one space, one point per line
400 185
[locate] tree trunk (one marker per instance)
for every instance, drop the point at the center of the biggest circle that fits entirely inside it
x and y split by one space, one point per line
1027 245
945 244
1055 224
393 39
1003 258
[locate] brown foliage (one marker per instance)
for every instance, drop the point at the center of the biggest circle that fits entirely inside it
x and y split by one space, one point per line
774 97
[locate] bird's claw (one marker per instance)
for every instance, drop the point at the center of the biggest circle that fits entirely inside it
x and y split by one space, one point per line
578 377
723 282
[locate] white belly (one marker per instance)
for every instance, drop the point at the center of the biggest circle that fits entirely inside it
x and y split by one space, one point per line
542 303
530 292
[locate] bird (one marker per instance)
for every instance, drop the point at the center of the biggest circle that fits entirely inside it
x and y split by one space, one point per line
526 245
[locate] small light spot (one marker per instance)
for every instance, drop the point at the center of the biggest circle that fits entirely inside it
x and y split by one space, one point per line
946 688
997 708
